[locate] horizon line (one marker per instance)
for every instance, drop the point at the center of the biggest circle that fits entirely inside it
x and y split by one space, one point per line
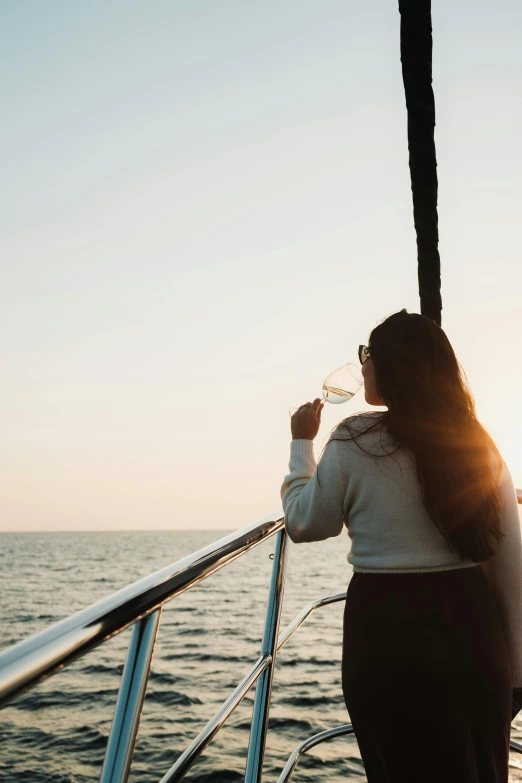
127 530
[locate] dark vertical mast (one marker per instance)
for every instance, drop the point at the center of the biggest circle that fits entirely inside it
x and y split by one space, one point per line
416 58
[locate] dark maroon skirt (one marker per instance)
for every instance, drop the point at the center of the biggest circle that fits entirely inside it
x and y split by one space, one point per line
426 677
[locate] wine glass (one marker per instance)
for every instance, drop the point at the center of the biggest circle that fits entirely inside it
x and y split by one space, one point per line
341 385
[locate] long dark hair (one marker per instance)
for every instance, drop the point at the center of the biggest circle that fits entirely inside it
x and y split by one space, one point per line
431 411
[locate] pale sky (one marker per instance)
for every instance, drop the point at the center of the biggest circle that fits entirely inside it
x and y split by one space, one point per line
205 208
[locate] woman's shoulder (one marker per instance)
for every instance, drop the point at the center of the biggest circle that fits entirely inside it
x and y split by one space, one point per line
365 434
367 415
357 425
359 422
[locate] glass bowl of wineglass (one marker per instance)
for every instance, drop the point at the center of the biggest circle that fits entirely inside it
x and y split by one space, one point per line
341 385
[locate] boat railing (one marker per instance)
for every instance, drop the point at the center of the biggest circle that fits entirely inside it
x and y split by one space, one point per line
27 663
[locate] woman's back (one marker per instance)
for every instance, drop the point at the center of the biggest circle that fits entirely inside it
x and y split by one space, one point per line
384 512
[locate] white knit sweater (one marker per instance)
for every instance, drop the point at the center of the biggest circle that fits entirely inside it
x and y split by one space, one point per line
380 502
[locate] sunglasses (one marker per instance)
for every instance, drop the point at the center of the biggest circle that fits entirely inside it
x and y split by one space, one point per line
364 353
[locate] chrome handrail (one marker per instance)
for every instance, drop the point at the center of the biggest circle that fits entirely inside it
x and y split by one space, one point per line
130 603
127 713
259 725
26 663
191 754
198 745
303 614
323 736
310 743
263 671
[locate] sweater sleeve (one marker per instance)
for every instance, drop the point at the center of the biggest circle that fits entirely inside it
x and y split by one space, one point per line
313 510
506 571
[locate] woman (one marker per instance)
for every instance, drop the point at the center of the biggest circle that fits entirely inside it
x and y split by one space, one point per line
432 646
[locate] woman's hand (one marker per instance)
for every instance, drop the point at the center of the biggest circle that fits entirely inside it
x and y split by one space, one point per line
306 420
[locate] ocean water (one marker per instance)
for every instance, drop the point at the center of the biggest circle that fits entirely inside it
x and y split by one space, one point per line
208 639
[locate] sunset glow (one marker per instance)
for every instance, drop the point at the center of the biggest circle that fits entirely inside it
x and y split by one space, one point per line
206 209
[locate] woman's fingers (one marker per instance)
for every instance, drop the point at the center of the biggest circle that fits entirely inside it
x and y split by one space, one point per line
317 405
306 421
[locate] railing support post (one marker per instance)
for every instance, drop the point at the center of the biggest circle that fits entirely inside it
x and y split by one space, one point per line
256 746
124 729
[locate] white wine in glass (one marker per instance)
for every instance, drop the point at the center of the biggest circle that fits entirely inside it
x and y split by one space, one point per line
342 384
